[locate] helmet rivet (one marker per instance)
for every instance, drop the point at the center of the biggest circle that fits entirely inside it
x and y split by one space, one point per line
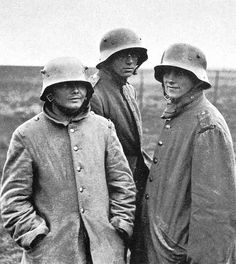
187 57
63 69
120 39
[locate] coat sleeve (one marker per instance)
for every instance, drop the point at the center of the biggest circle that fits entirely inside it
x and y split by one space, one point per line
121 186
17 210
213 193
96 105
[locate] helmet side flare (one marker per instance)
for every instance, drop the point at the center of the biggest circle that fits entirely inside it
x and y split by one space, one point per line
63 69
121 39
184 56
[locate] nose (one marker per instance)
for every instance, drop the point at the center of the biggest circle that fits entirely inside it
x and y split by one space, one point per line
129 59
75 89
170 77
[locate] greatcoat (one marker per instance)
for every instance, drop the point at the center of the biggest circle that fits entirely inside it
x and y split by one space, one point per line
189 206
115 99
60 177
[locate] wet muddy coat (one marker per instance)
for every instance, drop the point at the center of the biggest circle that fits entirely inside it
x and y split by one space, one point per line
189 209
115 99
60 175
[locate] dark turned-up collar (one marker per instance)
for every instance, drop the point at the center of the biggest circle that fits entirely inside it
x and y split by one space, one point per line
111 75
175 107
48 112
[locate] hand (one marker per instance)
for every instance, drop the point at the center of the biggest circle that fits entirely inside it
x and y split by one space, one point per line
123 235
37 239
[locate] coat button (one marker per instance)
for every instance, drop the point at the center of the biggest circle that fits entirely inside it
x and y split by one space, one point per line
160 143
72 130
81 189
82 210
167 126
155 160
79 168
150 179
146 196
75 148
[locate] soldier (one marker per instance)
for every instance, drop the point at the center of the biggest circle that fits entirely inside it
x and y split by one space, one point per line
121 54
67 193
189 211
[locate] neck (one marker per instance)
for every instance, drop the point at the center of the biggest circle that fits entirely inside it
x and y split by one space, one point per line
64 113
119 78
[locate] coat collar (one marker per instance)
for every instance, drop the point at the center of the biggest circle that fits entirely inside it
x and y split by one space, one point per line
47 110
176 107
111 75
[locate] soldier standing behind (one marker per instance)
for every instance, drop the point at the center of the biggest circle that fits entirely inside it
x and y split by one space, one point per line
189 209
67 194
121 54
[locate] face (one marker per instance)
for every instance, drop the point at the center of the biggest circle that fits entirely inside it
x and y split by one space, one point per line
69 95
124 63
177 82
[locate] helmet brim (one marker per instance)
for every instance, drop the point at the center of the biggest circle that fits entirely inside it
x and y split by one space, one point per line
142 55
201 75
88 85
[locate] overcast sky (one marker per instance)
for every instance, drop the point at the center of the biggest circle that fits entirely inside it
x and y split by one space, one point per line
35 31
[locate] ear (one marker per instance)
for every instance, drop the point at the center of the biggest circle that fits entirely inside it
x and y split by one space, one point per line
50 97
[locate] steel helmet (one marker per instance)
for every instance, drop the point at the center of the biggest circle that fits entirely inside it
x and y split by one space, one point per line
186 57
121 39
64 69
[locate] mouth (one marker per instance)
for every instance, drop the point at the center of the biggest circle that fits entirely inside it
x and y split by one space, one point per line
75 99
173 87
128 69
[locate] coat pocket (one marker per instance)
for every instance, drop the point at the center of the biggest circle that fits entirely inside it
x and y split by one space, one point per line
169 249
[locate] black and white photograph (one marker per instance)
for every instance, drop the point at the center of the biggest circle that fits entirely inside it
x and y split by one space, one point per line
117 132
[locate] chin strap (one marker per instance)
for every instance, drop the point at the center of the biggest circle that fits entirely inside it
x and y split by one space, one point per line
49 97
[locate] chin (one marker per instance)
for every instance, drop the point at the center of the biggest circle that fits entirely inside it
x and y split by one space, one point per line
74 107
127 75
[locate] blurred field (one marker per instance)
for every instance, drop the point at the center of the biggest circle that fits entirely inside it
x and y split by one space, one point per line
222 95
19 100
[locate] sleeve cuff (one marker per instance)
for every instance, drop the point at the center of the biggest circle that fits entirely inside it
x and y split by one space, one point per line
122 224
26 239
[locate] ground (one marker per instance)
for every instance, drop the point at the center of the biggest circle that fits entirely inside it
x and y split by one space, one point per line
19 100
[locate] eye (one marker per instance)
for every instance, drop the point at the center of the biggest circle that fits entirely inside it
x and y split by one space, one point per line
64 86
167 71
134 55
179 73
128 54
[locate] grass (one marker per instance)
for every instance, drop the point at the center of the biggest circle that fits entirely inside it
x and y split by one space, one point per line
19 100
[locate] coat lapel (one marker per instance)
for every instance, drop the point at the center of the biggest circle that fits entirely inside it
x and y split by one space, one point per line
127 89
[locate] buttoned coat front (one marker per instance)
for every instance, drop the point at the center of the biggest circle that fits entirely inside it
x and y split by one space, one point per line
189 208
58 176
115 99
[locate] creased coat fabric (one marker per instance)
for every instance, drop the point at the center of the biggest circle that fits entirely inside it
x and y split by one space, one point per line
59 177
189 209
115 99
